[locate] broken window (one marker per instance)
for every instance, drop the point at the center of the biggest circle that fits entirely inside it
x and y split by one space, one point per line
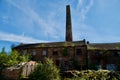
111 67
116 54
78 51
57 62
55 53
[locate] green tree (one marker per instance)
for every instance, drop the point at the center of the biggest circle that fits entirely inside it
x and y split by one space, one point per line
3 51
3 58
24 58
45 71
11 59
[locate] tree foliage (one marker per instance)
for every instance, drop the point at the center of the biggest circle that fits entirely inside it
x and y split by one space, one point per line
65 52
3 58
12 58
45 71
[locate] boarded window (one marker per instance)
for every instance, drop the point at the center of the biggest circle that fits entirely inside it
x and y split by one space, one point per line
34 52
44 53
24 51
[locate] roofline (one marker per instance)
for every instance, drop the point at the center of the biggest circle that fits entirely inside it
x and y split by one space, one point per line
47 44
103 43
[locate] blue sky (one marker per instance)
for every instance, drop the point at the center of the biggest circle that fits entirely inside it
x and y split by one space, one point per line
33 21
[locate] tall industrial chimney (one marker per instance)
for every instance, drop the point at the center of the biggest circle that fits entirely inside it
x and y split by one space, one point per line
68 24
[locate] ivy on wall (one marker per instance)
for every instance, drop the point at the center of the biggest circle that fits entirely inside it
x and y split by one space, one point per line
65 52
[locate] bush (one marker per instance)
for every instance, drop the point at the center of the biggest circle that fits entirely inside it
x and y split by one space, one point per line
45 71
94 75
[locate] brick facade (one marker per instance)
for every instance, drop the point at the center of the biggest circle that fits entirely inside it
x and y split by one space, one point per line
61 53
105 55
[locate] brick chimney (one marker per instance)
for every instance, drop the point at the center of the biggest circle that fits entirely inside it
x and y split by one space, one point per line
68 24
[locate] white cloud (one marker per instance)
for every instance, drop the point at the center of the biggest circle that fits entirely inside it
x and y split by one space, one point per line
30 12
35 17
52 25
80 2
84 9
18 38
81 29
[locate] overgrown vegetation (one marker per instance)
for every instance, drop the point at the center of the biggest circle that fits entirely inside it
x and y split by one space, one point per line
45 71
65 52
94 75
49 71
12 58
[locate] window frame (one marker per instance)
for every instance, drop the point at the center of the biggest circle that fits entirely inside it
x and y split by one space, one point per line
44 52
34 52
54 52
78 52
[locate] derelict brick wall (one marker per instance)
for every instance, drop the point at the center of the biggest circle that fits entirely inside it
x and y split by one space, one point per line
11 74
71 53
